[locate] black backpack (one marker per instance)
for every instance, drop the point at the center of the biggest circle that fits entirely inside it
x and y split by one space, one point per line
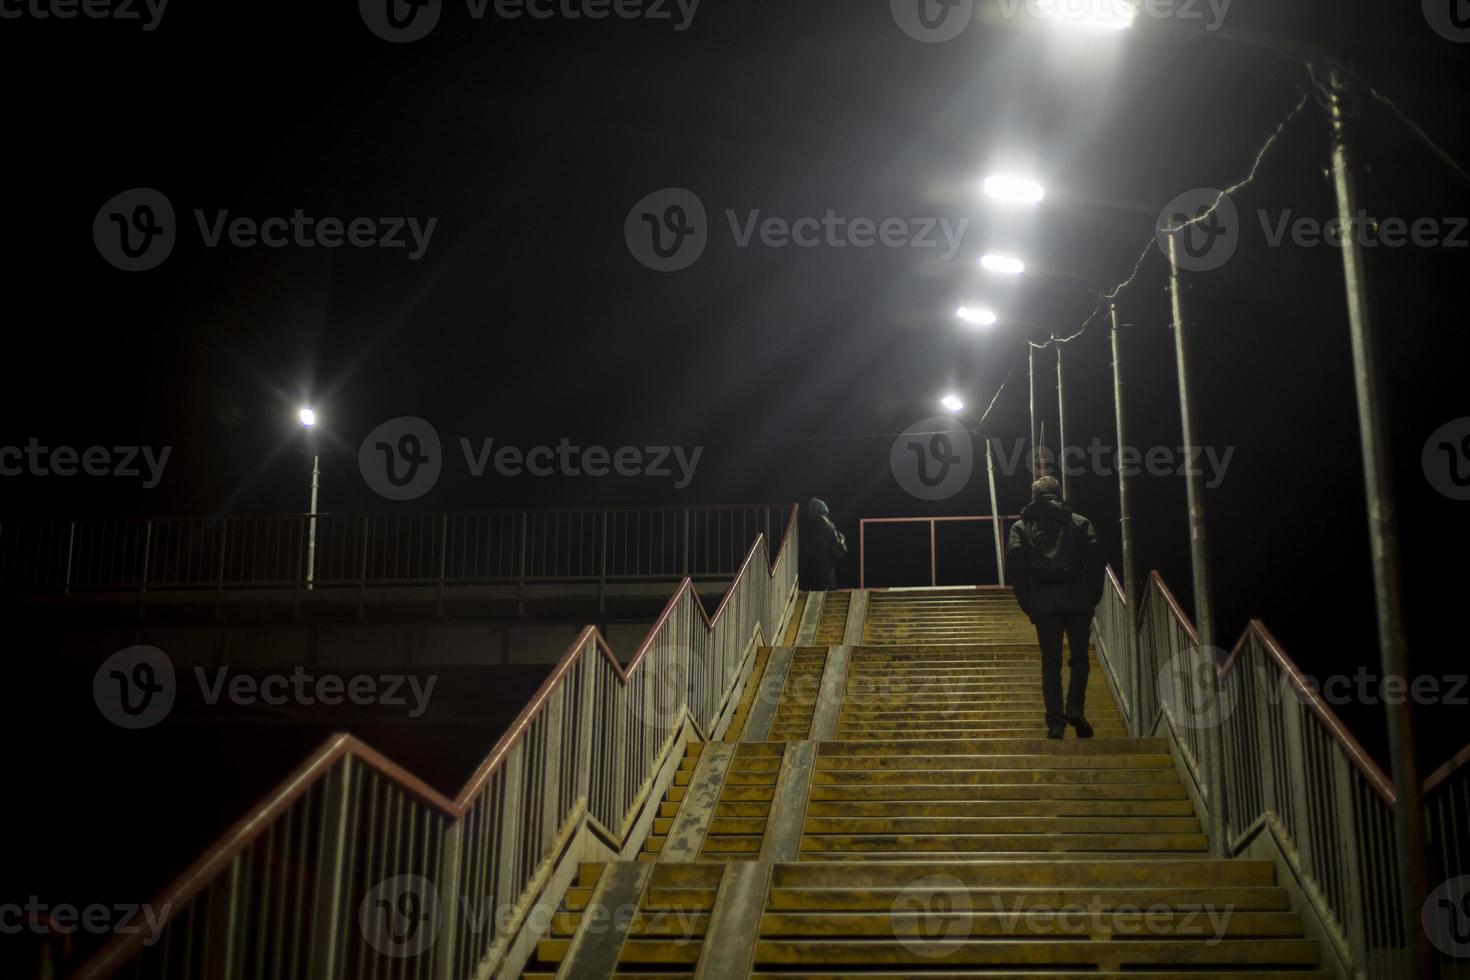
1054 552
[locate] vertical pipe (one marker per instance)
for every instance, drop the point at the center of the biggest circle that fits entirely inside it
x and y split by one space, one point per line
1204 613
1125 527
1000 554
1035 441
1383 537
933 561
316 475
1062 424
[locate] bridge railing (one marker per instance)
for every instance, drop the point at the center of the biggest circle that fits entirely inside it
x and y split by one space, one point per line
354 867
452 548
1292 769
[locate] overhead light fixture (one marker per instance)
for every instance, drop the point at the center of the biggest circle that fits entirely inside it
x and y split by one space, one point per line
952 403
1117 15
308 417
979 318
1006 265
1014 190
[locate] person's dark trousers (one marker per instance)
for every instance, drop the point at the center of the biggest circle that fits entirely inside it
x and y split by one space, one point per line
1049 632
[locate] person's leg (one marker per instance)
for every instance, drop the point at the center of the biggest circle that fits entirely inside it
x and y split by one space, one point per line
1079 634
1049 638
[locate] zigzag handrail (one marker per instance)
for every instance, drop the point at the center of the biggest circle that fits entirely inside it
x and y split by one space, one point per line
489 843
1292 769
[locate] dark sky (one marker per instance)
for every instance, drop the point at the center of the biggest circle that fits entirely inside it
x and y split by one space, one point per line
528 320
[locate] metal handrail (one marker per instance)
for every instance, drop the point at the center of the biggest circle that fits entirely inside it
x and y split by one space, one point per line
613 544
932 522
282 892
1292 768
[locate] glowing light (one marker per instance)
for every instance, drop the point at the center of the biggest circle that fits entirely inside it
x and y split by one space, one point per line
952 403
308 417
1116 15
979 318
1003 264
1014 190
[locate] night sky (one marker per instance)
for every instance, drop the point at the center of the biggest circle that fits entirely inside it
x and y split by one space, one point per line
528 320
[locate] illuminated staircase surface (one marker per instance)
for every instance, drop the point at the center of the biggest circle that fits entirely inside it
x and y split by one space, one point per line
885 803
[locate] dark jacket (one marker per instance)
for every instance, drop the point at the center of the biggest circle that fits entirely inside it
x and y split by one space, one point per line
1070 540
827 547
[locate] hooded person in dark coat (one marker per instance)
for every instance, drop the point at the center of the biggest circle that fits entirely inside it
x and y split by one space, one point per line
1055 562
828 547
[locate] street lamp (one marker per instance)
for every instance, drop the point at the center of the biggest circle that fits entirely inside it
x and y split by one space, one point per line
307 415
1006 265
1014 190
1115 15
976 317
955 406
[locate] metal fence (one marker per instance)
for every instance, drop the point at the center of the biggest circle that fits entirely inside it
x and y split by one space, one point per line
465 548
353 867
1291 766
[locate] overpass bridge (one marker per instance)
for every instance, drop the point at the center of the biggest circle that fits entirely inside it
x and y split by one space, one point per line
834 785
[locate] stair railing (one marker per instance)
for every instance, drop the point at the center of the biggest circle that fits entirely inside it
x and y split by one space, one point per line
355 867
1292 769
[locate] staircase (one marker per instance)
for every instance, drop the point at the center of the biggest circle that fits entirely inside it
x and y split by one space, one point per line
891 808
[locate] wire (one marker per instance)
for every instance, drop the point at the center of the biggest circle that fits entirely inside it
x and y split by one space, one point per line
1418 131
1009 375
1112 292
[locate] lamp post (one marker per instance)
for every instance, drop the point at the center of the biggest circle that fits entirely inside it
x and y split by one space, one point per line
1383 538
1125 524
1204 609
307 416
954 405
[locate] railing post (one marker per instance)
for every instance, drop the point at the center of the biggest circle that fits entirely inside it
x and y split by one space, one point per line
602 566
1348 841
443 559
147 550
1204 616
507 884
933 559
332 874
525 519
446 949
687 541
71 541
586 713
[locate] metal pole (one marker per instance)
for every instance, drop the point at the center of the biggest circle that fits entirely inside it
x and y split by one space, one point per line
1125 526
1000 554
1031 375
316 476
1384 540
1204 615
1062 424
